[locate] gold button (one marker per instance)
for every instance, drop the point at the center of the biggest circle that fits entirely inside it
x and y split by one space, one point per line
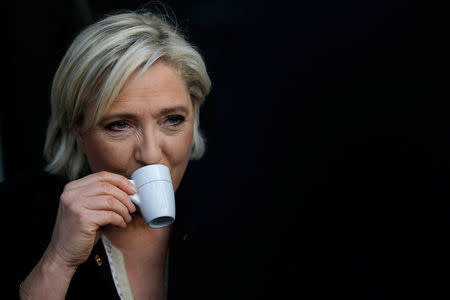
185 236
98 260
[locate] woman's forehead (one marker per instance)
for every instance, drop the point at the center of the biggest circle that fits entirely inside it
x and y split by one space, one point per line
156 90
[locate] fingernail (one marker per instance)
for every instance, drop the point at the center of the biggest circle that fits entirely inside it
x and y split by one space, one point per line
133 188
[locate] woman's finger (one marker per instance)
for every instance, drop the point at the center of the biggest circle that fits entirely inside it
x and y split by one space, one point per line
107 217
106 188
109 203
115 179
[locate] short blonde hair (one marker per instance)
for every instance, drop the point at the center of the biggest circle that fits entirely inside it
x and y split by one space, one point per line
94 69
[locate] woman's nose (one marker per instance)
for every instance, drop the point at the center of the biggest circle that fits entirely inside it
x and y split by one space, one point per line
148 150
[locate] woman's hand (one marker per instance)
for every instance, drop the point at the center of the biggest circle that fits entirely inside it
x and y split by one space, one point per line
86 205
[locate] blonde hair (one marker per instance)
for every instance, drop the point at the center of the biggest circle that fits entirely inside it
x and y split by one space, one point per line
94 69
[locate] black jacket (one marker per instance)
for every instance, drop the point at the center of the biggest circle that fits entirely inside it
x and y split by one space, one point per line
30 205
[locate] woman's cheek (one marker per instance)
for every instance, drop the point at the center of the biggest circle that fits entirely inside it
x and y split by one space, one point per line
110 156
178 153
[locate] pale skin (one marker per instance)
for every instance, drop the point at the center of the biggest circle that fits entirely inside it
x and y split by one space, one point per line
150 122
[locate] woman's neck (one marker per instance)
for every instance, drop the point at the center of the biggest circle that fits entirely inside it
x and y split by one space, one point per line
138 235
145 253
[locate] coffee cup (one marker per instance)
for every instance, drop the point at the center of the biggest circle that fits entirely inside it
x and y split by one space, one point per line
155 197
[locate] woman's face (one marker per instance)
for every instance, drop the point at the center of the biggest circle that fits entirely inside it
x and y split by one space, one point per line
150 122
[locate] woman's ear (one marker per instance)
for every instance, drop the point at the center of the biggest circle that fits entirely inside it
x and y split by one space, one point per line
80 140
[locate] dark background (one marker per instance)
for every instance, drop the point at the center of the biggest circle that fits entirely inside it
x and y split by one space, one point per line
328 135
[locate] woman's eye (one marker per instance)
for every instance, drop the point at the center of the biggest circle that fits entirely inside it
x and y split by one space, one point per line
175 120
117 126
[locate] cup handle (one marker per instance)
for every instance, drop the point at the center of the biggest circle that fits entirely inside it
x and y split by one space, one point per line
135 197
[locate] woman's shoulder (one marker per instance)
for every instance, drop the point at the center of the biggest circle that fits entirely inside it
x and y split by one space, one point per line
24 187
31 199
30 202
35 178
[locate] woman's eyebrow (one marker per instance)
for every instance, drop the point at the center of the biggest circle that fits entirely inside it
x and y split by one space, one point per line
108 117
162 112
170 110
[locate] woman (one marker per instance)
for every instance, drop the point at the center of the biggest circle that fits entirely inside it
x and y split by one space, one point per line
126 94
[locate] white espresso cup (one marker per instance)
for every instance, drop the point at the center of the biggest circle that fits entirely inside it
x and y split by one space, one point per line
155 196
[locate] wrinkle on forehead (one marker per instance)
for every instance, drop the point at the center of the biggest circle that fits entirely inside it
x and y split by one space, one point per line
134 85
138 73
